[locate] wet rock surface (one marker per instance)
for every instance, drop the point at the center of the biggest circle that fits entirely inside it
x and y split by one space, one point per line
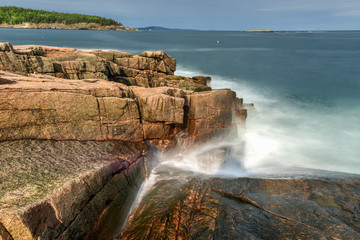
184 205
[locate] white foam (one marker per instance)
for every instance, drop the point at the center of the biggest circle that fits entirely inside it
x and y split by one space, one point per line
294 133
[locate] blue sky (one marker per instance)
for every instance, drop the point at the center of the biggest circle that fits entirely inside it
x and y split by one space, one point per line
215 14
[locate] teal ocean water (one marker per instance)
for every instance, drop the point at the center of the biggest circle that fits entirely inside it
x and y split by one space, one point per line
305 85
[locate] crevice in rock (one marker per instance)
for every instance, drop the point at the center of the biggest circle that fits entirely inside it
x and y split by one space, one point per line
244 199
6 81
86 204
100 120
4 234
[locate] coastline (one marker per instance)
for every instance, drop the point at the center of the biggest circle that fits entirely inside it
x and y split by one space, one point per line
259 31
57 91
57 100
78 26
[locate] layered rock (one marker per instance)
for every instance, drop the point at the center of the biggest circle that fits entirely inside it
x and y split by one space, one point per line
43 107
189 206
51 108
49 93
63 94
149 69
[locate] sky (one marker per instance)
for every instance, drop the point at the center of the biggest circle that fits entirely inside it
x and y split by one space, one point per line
214 14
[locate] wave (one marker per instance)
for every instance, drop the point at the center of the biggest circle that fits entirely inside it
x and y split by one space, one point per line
293 130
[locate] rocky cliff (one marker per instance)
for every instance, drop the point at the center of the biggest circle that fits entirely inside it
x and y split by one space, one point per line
55 101
81 130
66 94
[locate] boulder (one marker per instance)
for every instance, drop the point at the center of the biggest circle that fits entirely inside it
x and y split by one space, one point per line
165 63
202 80
158 106
210 110
6 47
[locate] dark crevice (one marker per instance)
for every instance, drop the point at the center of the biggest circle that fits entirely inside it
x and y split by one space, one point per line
85 205
4 234
6 81
100 118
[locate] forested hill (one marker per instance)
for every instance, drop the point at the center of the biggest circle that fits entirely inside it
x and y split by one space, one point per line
18 15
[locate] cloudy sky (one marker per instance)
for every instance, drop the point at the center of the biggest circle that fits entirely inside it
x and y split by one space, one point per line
215 14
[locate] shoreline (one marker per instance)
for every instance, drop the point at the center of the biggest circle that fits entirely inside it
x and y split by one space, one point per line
77 26
64 94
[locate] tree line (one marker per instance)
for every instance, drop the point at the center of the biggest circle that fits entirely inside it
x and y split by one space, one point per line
18 15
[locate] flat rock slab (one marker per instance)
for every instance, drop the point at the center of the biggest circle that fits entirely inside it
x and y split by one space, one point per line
184 205
49 188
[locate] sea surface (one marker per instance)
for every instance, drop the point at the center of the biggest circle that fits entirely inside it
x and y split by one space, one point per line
305 85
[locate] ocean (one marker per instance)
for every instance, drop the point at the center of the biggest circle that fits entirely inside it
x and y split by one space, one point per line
305 85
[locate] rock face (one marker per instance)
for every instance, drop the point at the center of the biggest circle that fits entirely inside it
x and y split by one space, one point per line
149 69
44 107
64 94
60 190
81 189
193 207
76 189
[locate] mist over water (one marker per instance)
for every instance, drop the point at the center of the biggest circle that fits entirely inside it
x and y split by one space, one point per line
294 131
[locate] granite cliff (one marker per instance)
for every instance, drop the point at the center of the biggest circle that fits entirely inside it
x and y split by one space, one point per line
80 131
66 94
52 98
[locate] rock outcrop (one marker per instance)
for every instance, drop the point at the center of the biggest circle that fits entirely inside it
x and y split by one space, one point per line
78 130
62 189
44 107
74 189
189 206
66 94
149 69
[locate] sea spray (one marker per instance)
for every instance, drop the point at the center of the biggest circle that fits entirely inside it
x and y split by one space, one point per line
294 131
221 158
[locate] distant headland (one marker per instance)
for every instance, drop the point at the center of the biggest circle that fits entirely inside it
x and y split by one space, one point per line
17 17
258 31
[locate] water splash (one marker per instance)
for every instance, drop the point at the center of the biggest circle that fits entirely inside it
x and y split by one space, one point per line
294 130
